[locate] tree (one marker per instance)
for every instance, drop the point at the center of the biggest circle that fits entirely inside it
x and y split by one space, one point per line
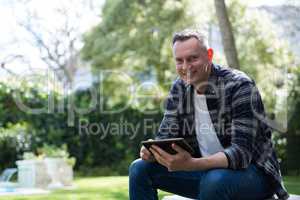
135 36
293 136
261 52
52 35
227 34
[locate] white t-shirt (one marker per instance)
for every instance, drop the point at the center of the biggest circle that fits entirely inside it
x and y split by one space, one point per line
206 135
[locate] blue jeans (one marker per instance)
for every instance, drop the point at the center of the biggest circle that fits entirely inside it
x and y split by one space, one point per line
216 184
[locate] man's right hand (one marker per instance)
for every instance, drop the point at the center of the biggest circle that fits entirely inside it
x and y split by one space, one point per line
146 155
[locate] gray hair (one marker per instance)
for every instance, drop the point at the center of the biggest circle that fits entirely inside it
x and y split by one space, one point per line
190 33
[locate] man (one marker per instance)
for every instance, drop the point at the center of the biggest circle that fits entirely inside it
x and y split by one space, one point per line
220 113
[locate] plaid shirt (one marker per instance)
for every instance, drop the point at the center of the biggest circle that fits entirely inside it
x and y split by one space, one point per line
237 113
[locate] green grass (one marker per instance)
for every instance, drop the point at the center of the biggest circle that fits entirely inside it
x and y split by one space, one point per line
113 188
292 184
99 188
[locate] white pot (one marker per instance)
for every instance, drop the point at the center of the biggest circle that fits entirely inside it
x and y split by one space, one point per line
53 165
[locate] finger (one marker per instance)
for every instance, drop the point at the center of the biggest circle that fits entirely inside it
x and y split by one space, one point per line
146 151
178 148
148 158
155 154
145 155
158 157
162 153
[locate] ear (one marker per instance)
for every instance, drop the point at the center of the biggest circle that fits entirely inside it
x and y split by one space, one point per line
210 54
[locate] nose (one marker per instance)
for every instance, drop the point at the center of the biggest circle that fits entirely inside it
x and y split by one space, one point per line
186 65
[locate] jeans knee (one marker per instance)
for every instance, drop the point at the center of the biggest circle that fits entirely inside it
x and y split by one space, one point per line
137 169
216 176
213 184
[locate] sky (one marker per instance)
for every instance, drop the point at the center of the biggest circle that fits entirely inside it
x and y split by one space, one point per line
14 40
265 2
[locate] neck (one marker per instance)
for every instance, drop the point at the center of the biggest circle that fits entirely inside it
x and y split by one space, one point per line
201 89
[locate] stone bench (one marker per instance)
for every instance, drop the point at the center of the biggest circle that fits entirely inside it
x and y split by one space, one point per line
176 197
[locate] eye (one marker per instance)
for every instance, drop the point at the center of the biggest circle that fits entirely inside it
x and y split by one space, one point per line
179 61
194 58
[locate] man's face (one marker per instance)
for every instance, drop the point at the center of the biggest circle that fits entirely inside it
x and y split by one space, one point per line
192 63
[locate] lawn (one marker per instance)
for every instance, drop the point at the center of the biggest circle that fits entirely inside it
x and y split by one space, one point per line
292 184
114 188
99 188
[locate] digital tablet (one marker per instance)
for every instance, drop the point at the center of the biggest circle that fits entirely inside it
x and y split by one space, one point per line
166 145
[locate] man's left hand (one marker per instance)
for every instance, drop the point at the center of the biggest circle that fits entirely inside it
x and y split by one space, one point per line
180 161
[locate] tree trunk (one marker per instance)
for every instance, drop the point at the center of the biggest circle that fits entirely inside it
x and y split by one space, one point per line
227 34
